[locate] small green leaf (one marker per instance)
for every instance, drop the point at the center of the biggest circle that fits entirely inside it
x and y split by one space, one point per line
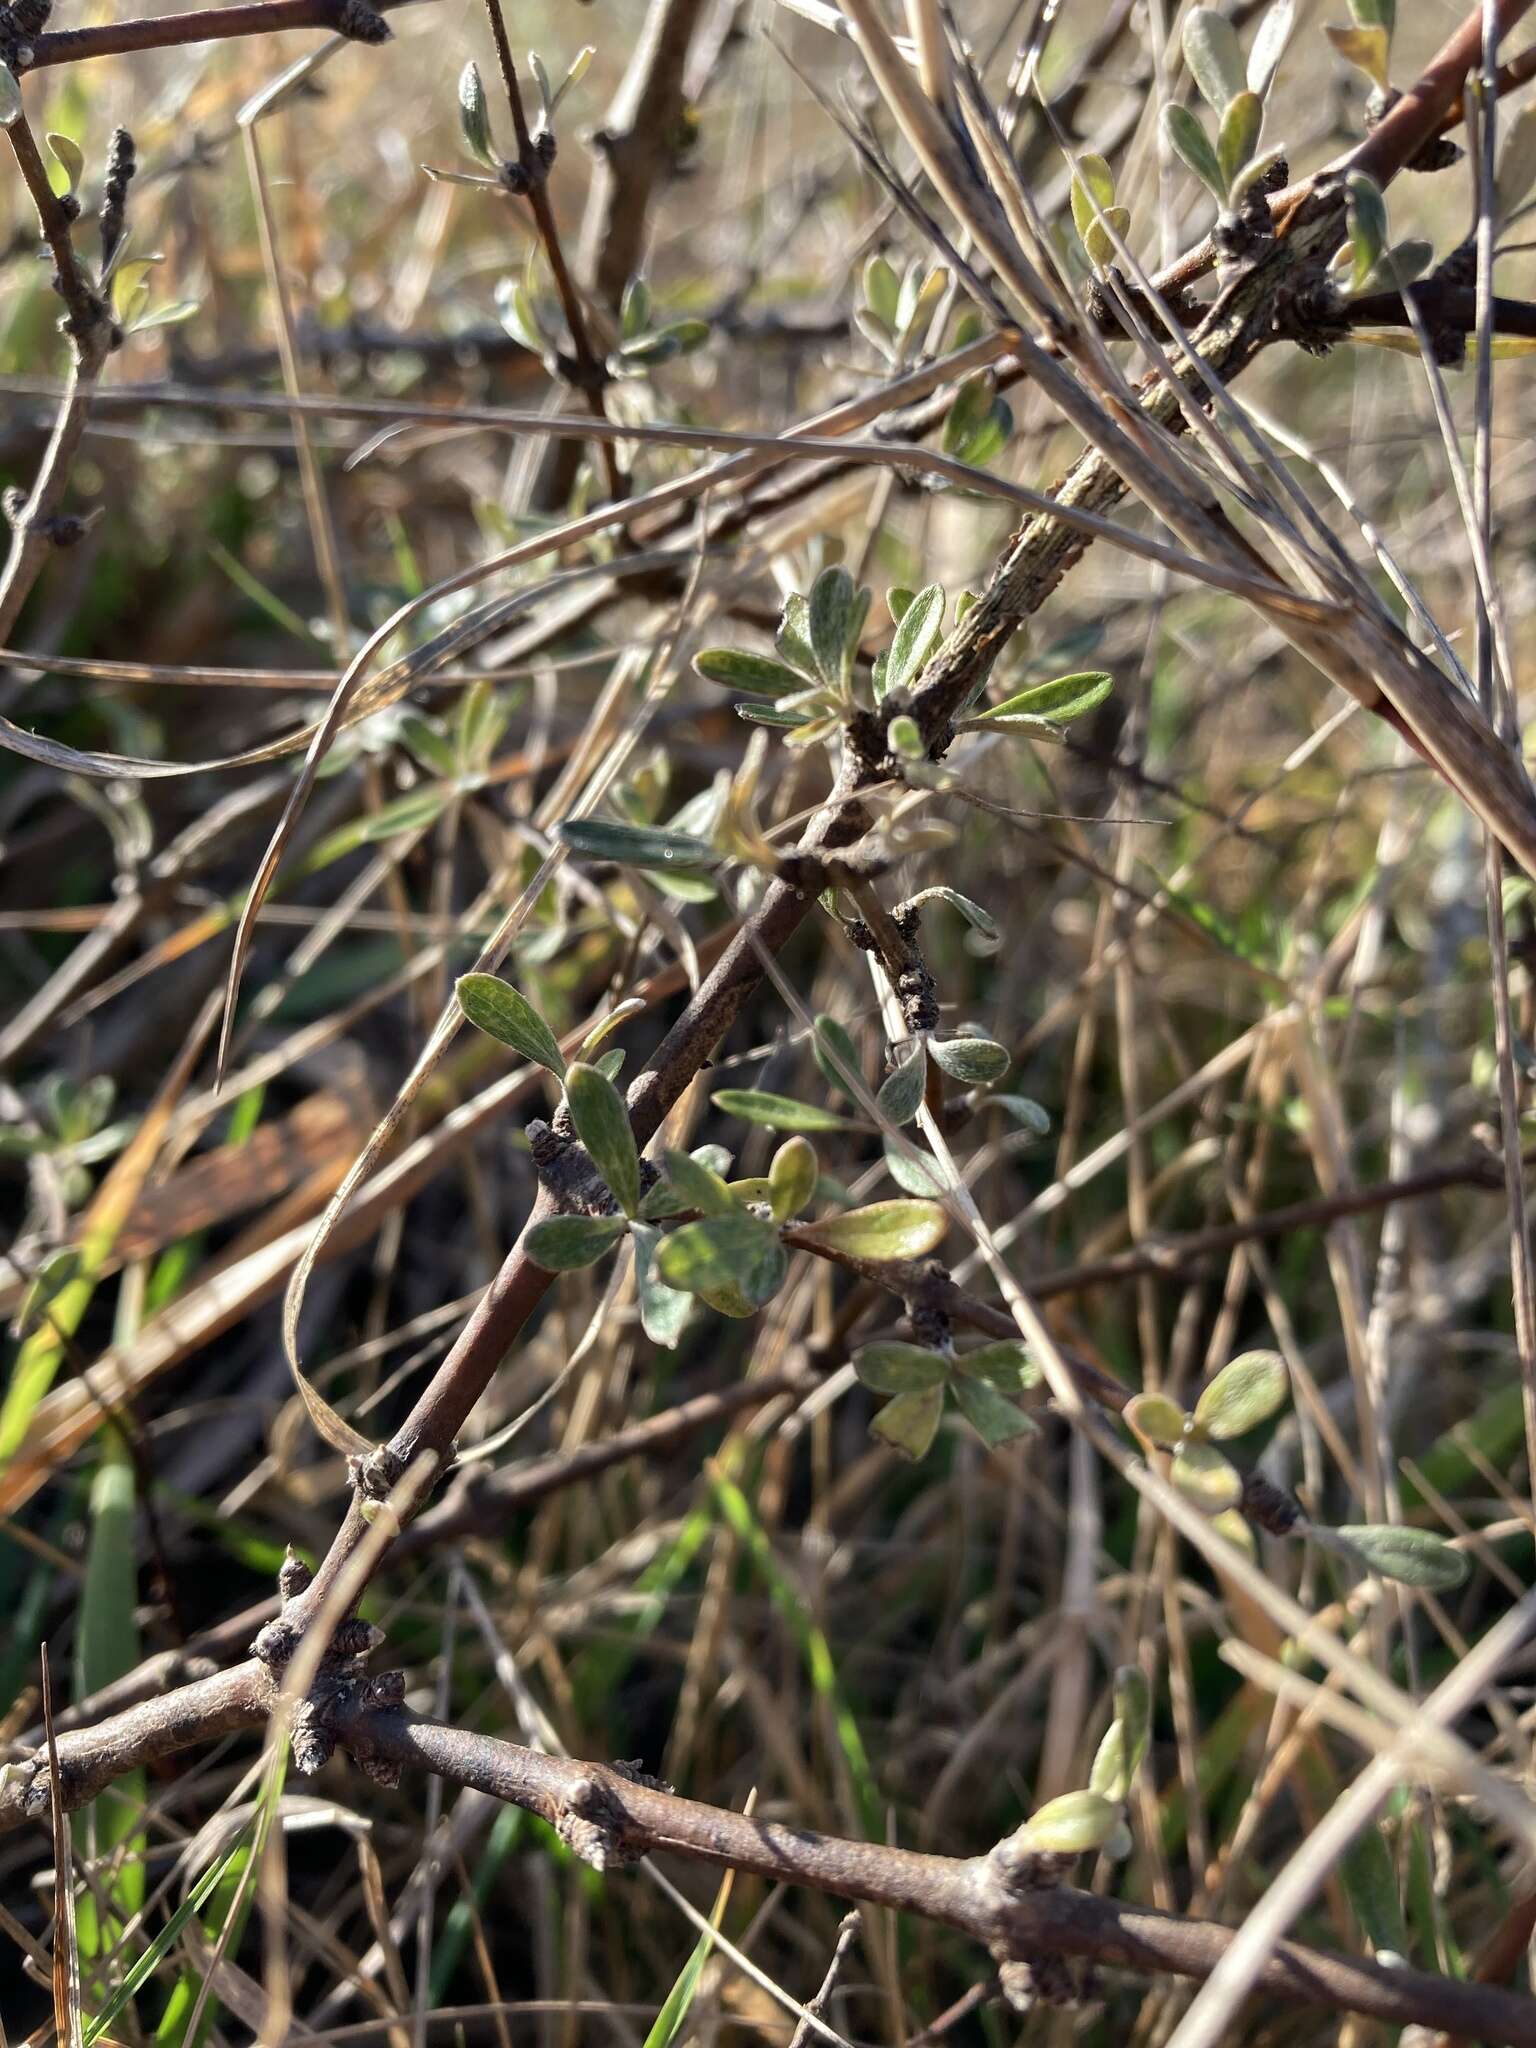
1366 212
504 1013
1156 1419
1366 48
916 637
1008 1364
898 1368
562 1244
1100 238
1062 699
474 116
990 1413
901 1093
884 1231
910 1423
72 160
1268 45
1092 180
602 1124
1124 1746
636 846
916 1171
836 1054
793 638
882 289
1414 1557
1211 1481
695 1185
663 1309
975 1061
904 738
792 1178
720 1255
758 674
1191 142
1214 59
634 309
778 1112
1371 1881
831 623
10 97
1069 1825
978 423
1238 137
1023 1111
1242 1395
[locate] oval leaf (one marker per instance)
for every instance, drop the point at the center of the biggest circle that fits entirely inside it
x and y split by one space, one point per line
719 1254
663 1310
884 1231
504 1013
1069 1825
1190 140
758 674
1239 135
1243 1394
975 1061
1211 1481
1007 1364
899 1368
831 624
792 1179
910 1423
1156 1419
1214 59
474 115
916 637
990 1413
602 1124
1414 1557
690 1183
564 1243
901 1093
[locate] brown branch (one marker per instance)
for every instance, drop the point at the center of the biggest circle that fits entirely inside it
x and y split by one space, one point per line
204 25
996 1899
1443 308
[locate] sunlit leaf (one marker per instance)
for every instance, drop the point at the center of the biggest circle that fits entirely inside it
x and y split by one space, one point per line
1238 137
831 623
504 1013
692 1184
1067 1826
1366 48
1061 699
1008 1364
1243 1394
1211 1480
792 1178
602 1124
916 637
1269 45
474 116
758 674
1366 212
1156 1419
635 845
1215 61
884 1231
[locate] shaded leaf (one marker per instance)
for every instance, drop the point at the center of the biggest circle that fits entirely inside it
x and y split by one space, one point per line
504 1013
1370 1878
758 674
915 1170
836 1054
882 288
564 1244
901 1093
1238 137
1008 1364
910 1423
1366 212
1092 179
693 1184
1191 142
1026 1112
1414 1557
663 1310
894 1368
474 115
990 1413
778 1112
635 845
1517 163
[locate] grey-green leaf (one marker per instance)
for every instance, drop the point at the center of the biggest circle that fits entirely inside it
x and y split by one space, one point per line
1061 699
910 1423
474 115
757 674
1008 1364
901 1093
1414 1557
836 1054
990 1413
1268 46
1243 1394
718 1252
1194 146
636 846
778 1112
898 1368
663 1309
562 1244
976 1062
831 623
916 637
695 1185
1239 134
602 1124
504 1013
1215 61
